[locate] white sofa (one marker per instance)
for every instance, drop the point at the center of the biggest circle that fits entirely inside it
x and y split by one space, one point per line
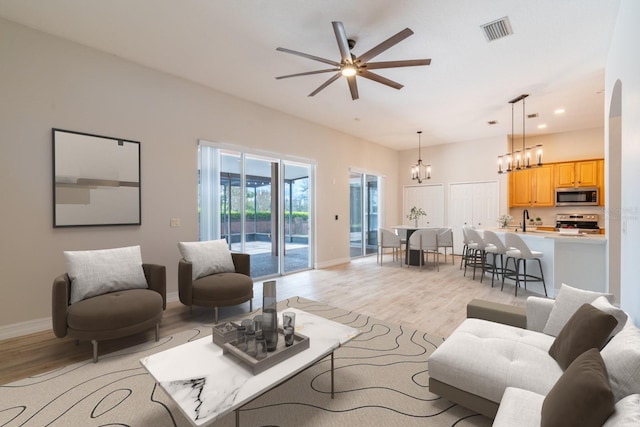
505 371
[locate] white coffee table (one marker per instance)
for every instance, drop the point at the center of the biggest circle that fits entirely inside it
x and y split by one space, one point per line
206 385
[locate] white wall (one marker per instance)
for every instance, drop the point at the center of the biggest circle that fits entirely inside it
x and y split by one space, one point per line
623 64
47 82
469 161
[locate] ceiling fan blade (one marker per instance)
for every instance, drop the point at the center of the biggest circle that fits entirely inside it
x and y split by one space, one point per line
395 64
343 43
325 84
306 55
377 78
308 73
391 41
353 87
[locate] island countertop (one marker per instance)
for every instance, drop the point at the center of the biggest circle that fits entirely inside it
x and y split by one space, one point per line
579 261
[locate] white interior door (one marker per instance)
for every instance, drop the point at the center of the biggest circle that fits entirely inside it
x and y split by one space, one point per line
428 197
474 203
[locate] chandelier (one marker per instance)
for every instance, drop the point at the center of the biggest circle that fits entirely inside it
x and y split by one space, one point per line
519 159
420 171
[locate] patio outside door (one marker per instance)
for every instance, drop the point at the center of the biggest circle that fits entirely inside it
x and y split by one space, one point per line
363 214
260 205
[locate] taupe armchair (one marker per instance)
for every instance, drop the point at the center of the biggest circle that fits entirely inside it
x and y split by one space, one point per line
112 315
217 290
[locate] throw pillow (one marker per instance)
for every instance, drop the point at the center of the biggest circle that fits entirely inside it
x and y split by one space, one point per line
622 357
101 271
602 303
581 397
568 300
208 257
627 413
587 328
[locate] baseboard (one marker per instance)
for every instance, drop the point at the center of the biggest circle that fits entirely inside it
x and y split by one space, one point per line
38 325
25 328
332 263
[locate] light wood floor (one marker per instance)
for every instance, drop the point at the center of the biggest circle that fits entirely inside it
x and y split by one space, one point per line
428 300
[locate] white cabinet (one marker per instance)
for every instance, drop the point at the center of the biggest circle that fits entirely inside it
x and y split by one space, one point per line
428 197
474 203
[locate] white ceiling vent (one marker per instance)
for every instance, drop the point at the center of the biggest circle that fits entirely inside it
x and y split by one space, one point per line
497 29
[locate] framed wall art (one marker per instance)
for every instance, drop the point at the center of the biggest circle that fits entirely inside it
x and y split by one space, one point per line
96 180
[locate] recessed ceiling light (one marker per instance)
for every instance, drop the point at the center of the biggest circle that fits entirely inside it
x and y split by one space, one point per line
559 111
542 126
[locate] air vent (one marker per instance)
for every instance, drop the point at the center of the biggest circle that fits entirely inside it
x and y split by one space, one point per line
492 122
497 29
532 116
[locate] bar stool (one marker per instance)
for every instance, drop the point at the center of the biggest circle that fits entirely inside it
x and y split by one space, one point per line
477 258
519 252
465 246
496 248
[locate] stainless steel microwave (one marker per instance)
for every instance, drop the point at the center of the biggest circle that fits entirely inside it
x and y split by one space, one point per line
585 196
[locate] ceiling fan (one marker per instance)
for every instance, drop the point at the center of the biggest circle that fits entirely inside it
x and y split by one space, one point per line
351 66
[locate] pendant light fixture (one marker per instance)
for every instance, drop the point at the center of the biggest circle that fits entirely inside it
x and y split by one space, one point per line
419 171
519 159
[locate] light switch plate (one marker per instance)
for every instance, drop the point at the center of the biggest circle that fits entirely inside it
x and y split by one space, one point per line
174 222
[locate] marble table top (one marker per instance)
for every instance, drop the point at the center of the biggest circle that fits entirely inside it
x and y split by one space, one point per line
206 384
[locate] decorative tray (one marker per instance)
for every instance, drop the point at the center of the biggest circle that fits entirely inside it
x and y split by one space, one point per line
224 332
282 352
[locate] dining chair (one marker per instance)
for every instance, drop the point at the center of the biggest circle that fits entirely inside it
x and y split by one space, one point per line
425 241
388 239
445 240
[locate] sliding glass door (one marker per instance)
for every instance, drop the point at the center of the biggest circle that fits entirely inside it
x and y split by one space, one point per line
364 197
260 205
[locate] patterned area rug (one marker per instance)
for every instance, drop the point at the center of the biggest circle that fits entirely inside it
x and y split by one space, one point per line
381 378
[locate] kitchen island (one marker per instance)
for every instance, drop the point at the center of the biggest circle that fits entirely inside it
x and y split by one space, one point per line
577 260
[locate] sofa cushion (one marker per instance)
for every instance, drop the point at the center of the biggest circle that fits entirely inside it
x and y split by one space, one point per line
582 397
627 413
622 357
568 300
222 288
520 408
208 257
602 303
484 358
114 310
588 328
105 270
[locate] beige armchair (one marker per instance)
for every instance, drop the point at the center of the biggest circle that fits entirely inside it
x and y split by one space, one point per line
110 315
219 289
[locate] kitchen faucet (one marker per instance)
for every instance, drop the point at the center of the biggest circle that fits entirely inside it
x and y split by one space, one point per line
525 213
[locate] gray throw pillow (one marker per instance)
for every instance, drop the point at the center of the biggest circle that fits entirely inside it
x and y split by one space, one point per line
581 397
568 300
587 328
208 257
622 357
97 272
602 303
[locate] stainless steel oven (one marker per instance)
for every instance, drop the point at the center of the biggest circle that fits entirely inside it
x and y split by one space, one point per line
585 223
585 196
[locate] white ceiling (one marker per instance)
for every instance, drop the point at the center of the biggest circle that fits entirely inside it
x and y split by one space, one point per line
557 55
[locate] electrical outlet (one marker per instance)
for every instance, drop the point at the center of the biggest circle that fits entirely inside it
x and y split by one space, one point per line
174 222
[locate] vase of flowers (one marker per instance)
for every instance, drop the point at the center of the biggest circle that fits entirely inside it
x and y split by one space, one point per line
415 214
504 220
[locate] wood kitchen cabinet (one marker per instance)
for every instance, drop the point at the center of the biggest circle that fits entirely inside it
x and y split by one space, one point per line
577 174
601 182
532 187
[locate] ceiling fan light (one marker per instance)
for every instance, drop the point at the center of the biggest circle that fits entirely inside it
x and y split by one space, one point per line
349 70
